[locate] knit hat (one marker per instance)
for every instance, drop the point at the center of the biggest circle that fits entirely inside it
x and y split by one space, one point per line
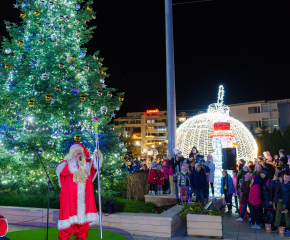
197 164
159 167
264 171
245 168
185 165
153 164
248 176
165 156
176 151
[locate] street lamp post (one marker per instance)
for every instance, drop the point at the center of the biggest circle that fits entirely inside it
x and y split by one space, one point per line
170 78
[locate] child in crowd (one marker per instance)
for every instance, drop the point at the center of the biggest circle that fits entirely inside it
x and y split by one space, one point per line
152 178
251 169
207 171
227 188
235 195
211 167
255 201
276 159
160 179
198 182
128 167
183 182
165 168
135 168
244 194
281 199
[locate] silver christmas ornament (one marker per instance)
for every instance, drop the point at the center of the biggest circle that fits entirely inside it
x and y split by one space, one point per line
124 149
61 65
72 67
12 151
104 110
99 93
121 144
110 94
61 17
45 76
51 143
117 108
102 80
16 137
96 57
7 50
51 2
117 154
12 104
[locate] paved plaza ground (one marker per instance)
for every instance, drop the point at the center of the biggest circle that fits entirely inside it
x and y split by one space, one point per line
232 230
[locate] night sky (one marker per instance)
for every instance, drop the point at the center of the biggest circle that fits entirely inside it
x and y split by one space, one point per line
243 45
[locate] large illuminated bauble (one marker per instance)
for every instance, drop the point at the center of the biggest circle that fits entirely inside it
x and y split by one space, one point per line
196 130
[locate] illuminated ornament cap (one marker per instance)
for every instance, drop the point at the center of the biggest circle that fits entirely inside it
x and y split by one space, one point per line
219 107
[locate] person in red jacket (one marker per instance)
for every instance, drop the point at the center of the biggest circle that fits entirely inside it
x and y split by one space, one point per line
255 201
160 179
152 178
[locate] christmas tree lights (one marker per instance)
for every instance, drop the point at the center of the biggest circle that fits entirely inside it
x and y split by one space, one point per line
50 93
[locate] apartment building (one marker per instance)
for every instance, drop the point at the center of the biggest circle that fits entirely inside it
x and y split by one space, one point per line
274 114
147 130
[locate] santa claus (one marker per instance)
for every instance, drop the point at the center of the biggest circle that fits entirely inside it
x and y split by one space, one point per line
76 174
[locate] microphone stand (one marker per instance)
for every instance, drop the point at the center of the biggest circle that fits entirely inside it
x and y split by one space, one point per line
48 183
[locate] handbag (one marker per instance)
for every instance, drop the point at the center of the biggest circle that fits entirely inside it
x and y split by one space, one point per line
175 177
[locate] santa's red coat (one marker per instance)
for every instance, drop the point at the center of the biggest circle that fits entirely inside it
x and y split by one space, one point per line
152 176
77 201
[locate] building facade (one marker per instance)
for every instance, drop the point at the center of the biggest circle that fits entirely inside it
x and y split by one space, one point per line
147 130
274 114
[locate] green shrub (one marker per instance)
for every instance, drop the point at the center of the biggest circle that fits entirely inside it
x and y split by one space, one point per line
40 201
198 208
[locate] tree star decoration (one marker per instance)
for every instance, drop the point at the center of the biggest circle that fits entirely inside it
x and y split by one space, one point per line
16 5
113 115
104 85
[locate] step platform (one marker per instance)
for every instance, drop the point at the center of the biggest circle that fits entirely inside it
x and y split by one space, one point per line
161 200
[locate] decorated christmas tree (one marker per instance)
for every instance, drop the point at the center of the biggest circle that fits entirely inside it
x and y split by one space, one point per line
50 92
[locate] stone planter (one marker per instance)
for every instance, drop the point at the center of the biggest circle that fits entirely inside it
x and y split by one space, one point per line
204 225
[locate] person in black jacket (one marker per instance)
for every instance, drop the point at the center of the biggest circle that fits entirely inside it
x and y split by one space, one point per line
176 164
266 197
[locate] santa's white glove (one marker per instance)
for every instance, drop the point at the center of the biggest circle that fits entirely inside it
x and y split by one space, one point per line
95 159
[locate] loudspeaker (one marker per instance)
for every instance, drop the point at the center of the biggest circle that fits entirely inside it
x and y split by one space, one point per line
229 158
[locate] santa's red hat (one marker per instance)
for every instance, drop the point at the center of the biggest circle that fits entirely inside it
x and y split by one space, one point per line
74 146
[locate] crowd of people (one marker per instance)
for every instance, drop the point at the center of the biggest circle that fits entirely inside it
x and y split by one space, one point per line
260 187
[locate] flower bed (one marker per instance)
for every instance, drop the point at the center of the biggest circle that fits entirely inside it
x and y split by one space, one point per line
202 222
